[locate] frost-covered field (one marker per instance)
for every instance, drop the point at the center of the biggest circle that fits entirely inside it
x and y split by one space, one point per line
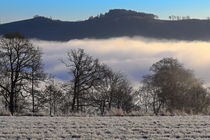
88 128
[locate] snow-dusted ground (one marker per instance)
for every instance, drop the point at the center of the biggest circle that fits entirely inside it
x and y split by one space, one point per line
90 128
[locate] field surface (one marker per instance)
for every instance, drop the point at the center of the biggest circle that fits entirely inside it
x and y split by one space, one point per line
91 128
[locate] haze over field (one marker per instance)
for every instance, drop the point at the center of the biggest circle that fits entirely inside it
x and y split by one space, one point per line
132 56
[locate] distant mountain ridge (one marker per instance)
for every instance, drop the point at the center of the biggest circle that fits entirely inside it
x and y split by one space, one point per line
115 23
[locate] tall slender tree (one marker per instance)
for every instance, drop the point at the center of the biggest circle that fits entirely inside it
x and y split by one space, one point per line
37 75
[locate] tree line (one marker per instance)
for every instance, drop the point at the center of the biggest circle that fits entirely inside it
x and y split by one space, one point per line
173 17
93 87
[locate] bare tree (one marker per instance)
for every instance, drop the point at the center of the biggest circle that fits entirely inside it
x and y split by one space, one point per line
52 96
16 60
113 91
85 72
148 96
123 97
37 75
108 87
67 90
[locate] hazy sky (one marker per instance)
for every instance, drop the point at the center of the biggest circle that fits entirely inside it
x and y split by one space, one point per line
71 10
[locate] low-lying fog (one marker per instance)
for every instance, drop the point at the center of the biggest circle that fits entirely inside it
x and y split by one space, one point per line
131 56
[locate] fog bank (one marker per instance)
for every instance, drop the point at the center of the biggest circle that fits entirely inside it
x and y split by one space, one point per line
131 56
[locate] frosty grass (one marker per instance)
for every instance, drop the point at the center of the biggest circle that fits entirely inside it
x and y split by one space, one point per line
91 128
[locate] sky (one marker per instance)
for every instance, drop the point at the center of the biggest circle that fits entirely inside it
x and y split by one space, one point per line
74 10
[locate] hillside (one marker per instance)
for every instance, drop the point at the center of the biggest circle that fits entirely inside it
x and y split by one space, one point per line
115 23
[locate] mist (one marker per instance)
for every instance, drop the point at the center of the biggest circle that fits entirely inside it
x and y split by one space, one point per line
131 56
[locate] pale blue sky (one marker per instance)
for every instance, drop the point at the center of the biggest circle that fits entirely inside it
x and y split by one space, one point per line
71 10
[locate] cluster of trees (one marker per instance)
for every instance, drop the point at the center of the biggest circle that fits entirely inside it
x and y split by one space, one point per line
20 66
94 86
38 16
174 88
122 13
172 17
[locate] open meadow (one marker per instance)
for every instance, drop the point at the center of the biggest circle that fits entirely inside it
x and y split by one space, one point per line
89 128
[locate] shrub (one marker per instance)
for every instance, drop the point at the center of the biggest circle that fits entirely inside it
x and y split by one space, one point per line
4 113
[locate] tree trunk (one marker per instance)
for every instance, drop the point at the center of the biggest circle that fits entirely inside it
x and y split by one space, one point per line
78 104
32 92
73 103
110 101
15 102
50 103
54 103
102 107
11 103
75 96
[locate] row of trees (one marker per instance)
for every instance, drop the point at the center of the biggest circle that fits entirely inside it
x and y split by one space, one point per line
172 17
94 86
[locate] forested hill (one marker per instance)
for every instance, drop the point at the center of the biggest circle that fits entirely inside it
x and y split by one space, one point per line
115 23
